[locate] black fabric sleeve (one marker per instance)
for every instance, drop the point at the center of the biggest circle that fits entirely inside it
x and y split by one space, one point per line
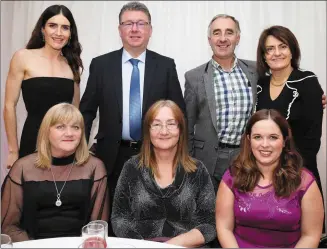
12 204
123 223
311 106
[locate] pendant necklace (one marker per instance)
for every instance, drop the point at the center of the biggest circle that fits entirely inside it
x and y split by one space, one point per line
59 202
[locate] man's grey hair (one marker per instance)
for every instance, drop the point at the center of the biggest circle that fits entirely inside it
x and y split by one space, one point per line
136 6
237 24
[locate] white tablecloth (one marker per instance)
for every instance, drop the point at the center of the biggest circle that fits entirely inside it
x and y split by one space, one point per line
74 242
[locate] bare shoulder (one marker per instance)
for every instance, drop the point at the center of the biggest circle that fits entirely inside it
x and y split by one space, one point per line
23 52
20 55
18 64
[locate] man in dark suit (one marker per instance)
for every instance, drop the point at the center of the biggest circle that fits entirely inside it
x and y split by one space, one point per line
123 84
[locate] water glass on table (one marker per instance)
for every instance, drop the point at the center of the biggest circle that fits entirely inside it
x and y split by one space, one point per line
93 243
94 236
104 223
6 241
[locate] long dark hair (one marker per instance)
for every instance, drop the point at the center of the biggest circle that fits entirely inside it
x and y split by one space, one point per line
72 50
286 176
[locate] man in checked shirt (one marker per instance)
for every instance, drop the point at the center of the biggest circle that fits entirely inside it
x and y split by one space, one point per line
220 96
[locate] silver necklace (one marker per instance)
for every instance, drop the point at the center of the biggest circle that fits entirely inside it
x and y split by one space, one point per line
59 202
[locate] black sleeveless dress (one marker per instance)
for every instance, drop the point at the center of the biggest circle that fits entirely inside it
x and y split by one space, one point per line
39 95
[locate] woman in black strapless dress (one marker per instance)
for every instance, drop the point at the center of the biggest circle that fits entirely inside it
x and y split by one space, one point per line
47 71
40 94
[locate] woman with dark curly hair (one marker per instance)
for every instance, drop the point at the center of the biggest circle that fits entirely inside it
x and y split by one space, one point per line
267 198
48 72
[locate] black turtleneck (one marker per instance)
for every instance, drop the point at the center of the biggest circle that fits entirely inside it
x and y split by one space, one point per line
59 161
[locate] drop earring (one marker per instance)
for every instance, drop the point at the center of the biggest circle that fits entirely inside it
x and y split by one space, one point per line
42 36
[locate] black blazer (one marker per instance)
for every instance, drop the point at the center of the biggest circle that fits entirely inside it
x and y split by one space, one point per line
104 91
300 103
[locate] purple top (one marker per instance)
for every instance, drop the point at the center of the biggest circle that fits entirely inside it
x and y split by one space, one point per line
264 220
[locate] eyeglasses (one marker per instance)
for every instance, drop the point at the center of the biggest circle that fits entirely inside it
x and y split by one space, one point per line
281 48
158 127
139 24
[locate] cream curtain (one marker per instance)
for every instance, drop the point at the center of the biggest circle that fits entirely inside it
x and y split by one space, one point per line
179 31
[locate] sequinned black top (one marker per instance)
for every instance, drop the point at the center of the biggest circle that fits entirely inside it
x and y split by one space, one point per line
143 210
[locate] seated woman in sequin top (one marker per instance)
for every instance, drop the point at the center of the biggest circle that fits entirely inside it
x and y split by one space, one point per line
60 188
267 198
163 194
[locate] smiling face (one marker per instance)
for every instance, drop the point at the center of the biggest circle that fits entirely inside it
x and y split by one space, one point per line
278 54
223 38
56 32
135 37
164 131
267 143
64 138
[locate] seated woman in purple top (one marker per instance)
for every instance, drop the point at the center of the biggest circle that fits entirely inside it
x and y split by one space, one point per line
267 198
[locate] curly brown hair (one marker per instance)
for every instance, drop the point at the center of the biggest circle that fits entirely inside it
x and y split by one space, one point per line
286 176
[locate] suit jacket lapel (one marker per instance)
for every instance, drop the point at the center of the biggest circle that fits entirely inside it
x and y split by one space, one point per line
252 77
115 71
150 66
210 91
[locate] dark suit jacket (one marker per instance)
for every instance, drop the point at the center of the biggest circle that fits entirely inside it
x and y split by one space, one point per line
104 91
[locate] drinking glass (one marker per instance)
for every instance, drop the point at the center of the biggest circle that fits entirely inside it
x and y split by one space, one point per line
6 241
94 231
93 242
104 223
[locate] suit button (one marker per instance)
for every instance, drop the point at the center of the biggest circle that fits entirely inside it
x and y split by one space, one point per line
216 147
120 121
118 141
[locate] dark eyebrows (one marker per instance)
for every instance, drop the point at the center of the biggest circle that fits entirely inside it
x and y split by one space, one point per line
281 44
255 134
258 134
219 30
53 23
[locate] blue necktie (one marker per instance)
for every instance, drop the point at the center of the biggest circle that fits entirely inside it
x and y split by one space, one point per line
135 118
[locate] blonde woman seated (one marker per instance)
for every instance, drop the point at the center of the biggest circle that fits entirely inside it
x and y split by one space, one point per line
58 189
267 198
163 194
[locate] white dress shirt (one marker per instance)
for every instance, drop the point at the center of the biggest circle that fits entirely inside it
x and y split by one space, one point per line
127 69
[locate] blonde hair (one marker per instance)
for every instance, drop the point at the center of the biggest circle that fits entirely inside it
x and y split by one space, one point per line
60 113
147 156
